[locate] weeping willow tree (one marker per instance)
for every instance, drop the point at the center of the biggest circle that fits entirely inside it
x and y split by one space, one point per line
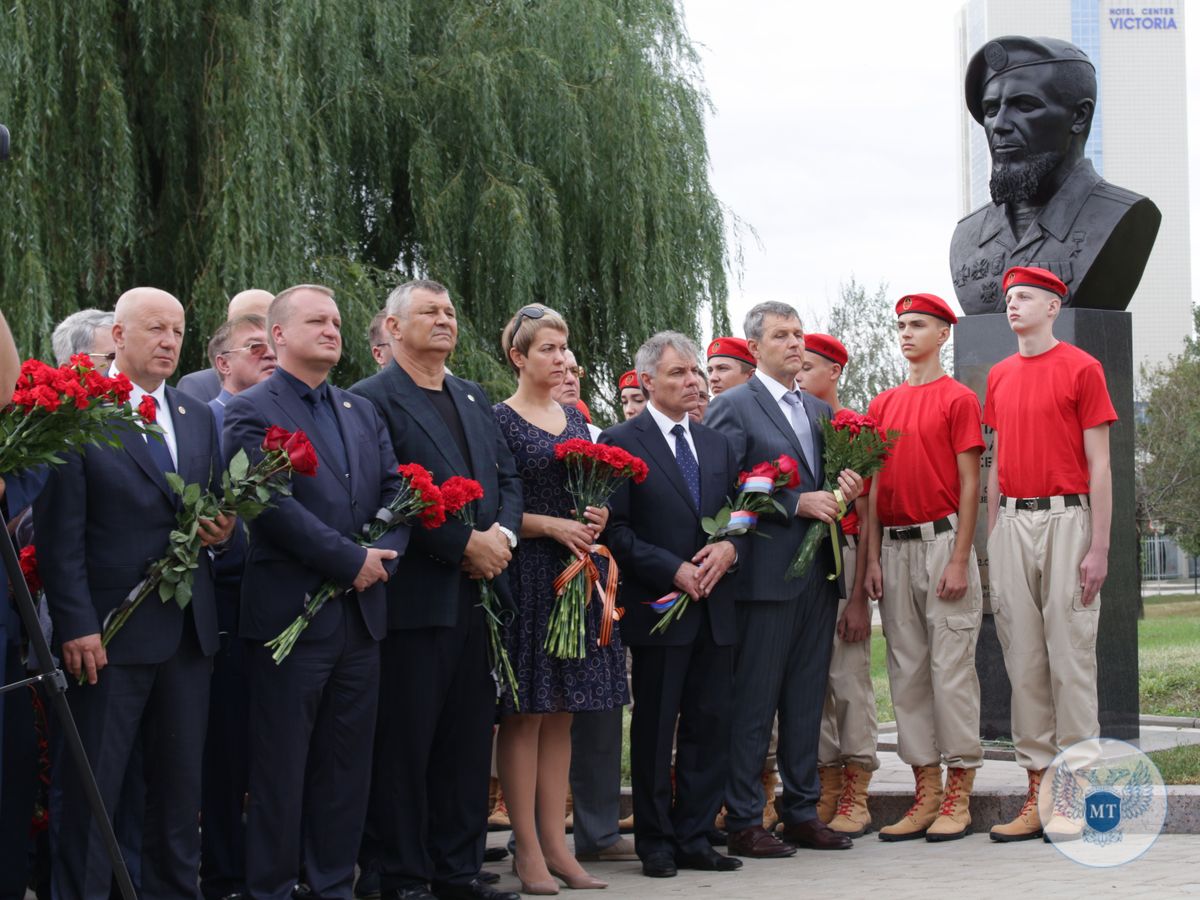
517 150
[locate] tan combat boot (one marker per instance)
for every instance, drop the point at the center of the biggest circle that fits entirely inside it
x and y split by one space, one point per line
954 816
770 818
831 792
498 820
852 817
1028 824
924 810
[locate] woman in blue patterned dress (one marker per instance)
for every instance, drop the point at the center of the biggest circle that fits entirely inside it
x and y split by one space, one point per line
533 750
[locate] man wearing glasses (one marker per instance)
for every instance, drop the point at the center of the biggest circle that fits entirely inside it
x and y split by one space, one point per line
206 384
241 357
381 344
87 331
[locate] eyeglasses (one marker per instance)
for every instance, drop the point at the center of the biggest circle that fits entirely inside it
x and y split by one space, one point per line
254 348
103 357
527 312
578 371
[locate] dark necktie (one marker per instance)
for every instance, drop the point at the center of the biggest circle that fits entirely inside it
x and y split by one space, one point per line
801 425
686 461
327 428
159 452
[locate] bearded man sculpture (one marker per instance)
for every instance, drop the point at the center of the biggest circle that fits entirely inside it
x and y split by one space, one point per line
1036 99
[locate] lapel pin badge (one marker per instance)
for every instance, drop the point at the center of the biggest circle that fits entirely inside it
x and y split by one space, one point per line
346 403
182 411
471 397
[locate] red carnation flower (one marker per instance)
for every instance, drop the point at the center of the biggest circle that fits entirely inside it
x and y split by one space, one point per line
29 569
457 492
148 409
789 467
82 361
121 387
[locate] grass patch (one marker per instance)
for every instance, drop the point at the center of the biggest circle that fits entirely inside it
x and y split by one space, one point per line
1159 599
1168 662
879 677
1179 765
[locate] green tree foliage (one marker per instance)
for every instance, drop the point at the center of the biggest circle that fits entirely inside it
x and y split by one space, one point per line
1168 438
515 150
866 324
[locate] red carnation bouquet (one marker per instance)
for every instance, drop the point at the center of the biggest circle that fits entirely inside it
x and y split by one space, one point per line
458 496
246 491
56 409
418 500
29 568
852 441
756 497
594 471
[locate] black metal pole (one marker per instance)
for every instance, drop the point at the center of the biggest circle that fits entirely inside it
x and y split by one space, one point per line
55 685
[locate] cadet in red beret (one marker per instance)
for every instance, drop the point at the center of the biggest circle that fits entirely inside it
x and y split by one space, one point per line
1049 514
633 399
730 363
921 566
846 755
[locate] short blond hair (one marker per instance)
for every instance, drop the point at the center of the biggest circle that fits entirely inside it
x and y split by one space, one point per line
529 326
280 309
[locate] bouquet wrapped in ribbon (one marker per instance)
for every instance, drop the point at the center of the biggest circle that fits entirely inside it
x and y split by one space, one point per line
594 471
756 490
245 492
56 409
417 500
852 441
458 496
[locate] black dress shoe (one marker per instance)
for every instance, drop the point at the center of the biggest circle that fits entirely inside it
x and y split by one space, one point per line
495 854
416 892
474 890
710 861
367 886
659 865
718 837
488 877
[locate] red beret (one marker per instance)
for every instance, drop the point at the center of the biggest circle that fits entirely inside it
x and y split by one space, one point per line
734 348
583 408
827 346
1025 276
929 304
629 380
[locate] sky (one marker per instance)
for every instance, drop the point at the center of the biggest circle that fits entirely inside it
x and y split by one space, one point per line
834 141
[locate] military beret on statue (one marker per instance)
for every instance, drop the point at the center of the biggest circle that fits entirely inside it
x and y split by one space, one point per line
926 304
1005 54
629 380
734 348
1029 276
828 346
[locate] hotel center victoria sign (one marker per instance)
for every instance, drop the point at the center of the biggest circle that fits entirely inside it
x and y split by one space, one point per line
1142 18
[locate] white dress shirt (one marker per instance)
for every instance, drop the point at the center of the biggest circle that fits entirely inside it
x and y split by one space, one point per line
665 425
163 419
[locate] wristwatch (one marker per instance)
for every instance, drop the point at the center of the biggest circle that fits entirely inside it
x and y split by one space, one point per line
512 538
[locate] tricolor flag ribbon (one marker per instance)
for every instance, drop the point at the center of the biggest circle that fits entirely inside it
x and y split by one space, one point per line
758 485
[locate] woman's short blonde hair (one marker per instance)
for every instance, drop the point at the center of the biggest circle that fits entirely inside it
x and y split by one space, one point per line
522 327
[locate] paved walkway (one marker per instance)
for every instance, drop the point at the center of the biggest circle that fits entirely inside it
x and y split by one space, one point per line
971 868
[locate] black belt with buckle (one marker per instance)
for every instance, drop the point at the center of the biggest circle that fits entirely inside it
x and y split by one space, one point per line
1033 504
913 532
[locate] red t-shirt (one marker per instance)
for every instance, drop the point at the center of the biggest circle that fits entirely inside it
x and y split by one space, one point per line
939 420
1040 406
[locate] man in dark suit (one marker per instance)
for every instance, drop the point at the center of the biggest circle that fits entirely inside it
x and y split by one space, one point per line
206 383
243 357
313 715
785 628
103 517
684 674
438 700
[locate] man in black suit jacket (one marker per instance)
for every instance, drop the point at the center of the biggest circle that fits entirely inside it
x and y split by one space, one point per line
785 628
684 674
313 715
102 519
438 699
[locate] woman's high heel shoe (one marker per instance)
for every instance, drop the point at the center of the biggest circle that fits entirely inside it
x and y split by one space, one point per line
538 888
583 882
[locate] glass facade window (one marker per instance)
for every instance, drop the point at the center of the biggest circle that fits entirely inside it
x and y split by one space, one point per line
1085 34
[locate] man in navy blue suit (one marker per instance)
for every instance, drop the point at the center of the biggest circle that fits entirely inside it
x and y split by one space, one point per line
433 746
785 628
312 716
683 675
103 517
242 358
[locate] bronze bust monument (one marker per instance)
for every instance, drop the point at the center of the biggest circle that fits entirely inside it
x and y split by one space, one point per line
1035 98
